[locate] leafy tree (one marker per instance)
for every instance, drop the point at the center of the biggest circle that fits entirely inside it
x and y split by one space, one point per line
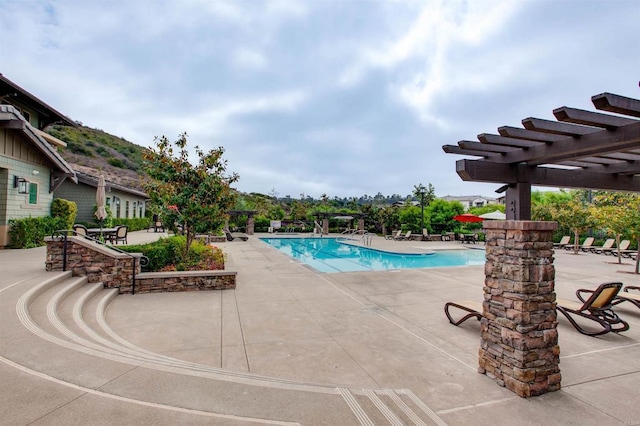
441 215
199 196
575 215
410 217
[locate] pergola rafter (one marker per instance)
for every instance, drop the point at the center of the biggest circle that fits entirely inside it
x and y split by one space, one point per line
583 149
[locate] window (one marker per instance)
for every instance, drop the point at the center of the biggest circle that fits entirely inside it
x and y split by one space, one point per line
33 193
126 209
135 210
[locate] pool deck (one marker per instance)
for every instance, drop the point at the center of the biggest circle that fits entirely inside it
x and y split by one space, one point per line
293 346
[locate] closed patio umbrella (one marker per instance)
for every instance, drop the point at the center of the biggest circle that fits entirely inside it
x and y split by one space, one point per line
101 200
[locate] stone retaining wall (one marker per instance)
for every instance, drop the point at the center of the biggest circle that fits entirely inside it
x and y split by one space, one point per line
519 341
115 270
155 282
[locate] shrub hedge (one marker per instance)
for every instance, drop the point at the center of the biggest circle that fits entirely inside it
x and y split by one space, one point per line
166 254
30 232
66 210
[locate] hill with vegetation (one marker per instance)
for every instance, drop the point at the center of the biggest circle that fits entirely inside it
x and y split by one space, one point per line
96 152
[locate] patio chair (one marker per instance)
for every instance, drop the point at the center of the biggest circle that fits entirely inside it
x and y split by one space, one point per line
80 230
235 235
472 308
585 246
627 296
393 236
119 235
624 245
605 246
598 307
563 242
405 237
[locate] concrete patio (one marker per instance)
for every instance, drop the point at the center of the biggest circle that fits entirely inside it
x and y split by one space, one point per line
293 346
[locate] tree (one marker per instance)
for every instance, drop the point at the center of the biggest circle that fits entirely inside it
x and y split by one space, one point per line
425 196
576 217
199 196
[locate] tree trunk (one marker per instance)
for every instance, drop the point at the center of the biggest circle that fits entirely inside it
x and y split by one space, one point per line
576 240
618 248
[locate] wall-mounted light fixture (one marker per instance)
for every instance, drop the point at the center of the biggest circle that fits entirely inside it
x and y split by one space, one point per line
21 184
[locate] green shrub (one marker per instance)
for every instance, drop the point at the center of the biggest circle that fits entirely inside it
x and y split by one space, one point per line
66 210
30 232
166 254
116 162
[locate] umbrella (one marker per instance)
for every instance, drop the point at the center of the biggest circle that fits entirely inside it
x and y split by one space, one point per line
101 212
468 217
496 215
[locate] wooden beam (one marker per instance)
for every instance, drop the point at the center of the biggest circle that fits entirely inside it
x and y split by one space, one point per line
590 118
569 148
12 124
518 201
486 171
518 133
476 146
557 127
501 140
455 149
616 103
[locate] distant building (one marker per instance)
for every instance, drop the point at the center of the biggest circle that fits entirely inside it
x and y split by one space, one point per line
123 202
404 203
30 166
469 201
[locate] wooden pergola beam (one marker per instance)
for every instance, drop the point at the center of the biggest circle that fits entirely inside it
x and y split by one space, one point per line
616 103
590 118
486 171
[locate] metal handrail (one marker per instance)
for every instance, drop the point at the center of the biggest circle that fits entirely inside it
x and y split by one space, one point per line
64 233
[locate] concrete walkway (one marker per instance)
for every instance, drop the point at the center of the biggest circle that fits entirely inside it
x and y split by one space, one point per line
292 346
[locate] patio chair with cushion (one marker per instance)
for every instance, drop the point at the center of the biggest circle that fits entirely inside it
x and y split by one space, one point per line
80 230
235 235
629 296
393 236
586 245
605 246
472 308
405 237
563 242
598 308
624 245
119 235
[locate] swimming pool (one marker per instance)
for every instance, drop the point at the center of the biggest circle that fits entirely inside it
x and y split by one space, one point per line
332 255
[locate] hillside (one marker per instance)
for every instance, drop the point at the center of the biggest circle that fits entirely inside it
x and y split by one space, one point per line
96 152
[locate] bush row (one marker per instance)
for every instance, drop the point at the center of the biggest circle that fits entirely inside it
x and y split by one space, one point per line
30 232
167 254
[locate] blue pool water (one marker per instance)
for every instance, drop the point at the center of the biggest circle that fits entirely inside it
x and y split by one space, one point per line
331 255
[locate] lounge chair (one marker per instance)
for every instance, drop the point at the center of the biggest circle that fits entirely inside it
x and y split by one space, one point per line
598 307
472 308
393 236
624 245
586 245
235 235
627 296
605 246
405 237
563 242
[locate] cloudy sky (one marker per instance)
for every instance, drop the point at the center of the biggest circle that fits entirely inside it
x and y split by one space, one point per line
310 97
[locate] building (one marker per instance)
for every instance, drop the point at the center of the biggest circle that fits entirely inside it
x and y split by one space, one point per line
30 166
469 201
122 201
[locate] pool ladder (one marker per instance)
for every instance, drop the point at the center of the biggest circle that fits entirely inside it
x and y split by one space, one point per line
366 239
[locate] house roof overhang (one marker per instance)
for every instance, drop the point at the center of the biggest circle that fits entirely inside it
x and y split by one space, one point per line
11 119
91 180
583 149
11 92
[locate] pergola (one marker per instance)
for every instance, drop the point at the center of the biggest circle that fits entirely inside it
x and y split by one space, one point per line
583 149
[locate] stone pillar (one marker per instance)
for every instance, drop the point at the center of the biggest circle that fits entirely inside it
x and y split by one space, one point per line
250 225
325 226
519 341
361 223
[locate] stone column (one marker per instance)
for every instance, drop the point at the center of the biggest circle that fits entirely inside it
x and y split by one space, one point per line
519 341
250 225
361 223
325 226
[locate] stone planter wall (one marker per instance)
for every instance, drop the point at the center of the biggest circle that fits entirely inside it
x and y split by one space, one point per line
519 341
114 270
86 258
156 282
